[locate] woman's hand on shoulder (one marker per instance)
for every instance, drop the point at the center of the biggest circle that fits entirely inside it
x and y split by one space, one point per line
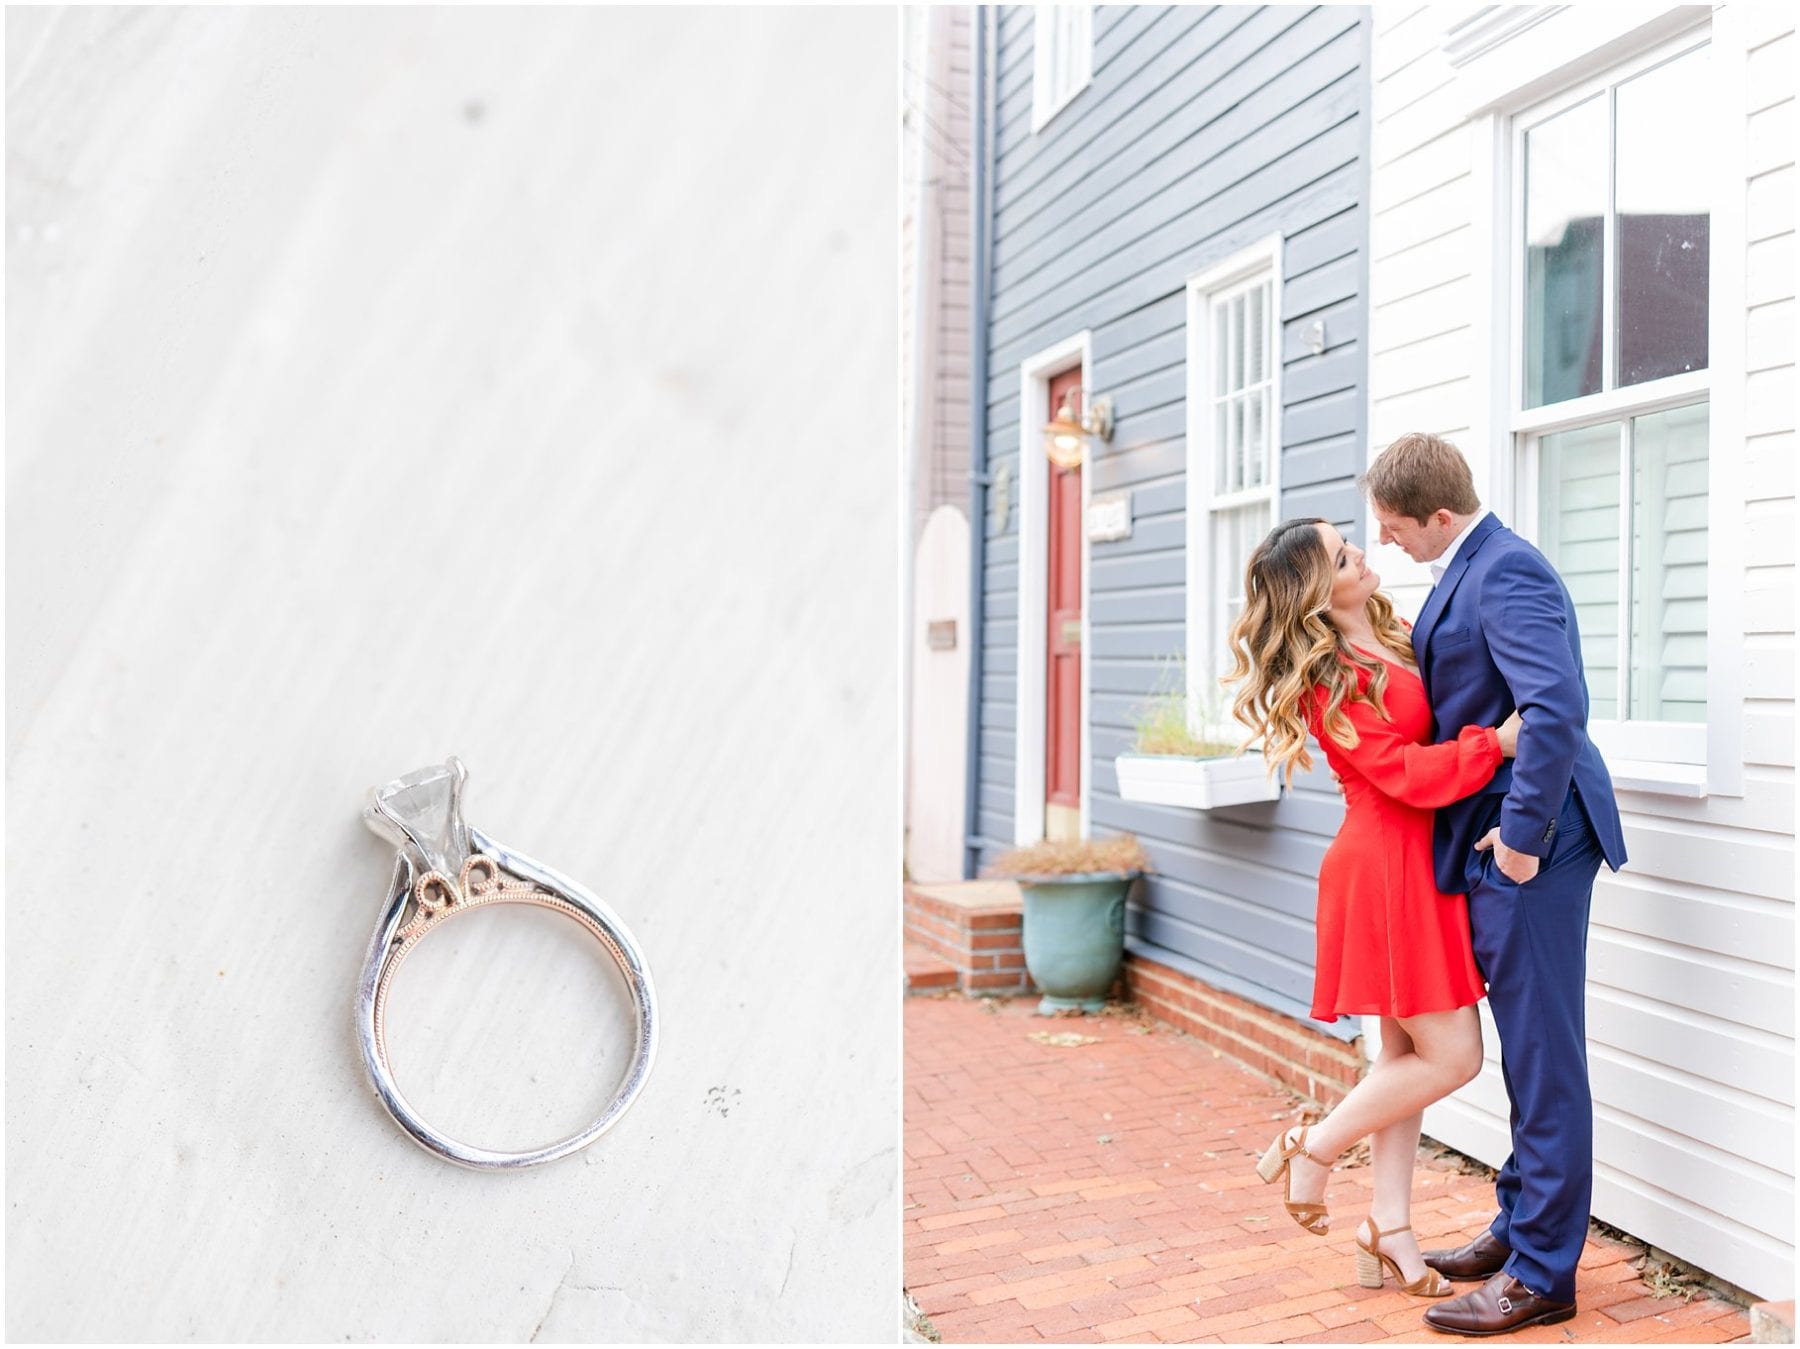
1508 731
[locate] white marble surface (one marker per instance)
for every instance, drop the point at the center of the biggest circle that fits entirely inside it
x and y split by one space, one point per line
385 384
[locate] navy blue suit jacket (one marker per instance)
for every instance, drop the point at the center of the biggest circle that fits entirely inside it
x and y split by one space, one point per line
1498 633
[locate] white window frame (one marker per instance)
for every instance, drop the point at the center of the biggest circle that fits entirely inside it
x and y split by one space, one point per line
1222 281
1047 98
1682 759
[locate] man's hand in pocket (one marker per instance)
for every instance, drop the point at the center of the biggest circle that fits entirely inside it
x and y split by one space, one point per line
1518 866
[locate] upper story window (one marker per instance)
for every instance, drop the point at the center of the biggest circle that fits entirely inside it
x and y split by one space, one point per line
1609 414
1616 236
1234 403
1063 58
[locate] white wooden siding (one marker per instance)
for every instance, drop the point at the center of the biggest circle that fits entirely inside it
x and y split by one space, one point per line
1691 985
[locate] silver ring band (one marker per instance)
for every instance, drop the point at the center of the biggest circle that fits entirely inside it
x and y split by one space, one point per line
444 868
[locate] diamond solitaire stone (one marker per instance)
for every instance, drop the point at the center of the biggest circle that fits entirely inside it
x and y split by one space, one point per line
421 813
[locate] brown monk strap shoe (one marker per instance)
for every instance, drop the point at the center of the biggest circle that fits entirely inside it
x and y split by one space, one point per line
1498 1306
1481 1259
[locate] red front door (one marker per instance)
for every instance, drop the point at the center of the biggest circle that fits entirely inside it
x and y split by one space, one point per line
1062 692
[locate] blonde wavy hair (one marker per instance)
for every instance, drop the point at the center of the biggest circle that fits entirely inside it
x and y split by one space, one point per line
1284 646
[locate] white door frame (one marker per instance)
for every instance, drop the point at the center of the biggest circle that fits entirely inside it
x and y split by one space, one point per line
1035 374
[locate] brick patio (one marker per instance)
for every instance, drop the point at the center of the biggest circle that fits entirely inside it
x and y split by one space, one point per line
1105 1191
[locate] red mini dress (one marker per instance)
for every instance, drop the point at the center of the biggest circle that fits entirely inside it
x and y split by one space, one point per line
1389 942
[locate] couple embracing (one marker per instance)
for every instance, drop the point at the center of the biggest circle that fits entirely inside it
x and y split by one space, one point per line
1477 815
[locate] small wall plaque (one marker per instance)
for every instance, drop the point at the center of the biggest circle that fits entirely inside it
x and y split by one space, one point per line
1109 517
940 634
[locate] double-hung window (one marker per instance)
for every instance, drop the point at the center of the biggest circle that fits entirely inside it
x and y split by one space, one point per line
1062 58
1233 462
1610 387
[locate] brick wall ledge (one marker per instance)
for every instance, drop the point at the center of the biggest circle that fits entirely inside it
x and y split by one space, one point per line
1290 1052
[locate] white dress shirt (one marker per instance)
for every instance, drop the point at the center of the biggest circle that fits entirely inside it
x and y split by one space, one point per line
1441 564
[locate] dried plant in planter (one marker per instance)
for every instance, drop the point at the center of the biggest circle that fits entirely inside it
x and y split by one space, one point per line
1073 857
1165 721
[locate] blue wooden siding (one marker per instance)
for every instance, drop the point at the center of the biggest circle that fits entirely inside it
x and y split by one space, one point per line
1203 131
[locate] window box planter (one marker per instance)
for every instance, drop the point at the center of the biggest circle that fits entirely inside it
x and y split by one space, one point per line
1198 784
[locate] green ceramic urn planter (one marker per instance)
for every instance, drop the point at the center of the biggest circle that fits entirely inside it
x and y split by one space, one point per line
1074 891
1075 937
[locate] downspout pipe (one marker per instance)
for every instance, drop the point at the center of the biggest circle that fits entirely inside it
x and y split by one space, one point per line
980 265
918 449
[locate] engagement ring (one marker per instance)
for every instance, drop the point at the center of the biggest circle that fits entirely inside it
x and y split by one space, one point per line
446 868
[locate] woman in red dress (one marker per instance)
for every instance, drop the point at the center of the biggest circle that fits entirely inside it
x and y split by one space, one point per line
1320 654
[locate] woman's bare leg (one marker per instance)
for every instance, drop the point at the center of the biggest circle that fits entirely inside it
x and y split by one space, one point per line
1431 1056
1393 1151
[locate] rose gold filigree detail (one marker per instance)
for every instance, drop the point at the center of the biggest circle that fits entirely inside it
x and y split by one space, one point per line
436 895
438 898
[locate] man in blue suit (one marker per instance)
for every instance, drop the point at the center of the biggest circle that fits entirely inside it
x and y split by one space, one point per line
1498 633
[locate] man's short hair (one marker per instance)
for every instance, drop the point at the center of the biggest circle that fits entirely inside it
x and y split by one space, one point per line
1420 474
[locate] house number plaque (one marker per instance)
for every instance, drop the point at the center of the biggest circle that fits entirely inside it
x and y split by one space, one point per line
1109 517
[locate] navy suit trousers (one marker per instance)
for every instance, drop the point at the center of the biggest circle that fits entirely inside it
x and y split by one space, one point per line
1531 946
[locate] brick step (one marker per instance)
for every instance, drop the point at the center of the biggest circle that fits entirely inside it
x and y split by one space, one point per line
926 972
974 926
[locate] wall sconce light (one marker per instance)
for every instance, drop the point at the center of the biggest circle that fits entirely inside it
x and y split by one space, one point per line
1066 436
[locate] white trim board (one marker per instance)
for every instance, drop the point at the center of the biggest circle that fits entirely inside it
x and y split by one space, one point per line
1547 57
1726 356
